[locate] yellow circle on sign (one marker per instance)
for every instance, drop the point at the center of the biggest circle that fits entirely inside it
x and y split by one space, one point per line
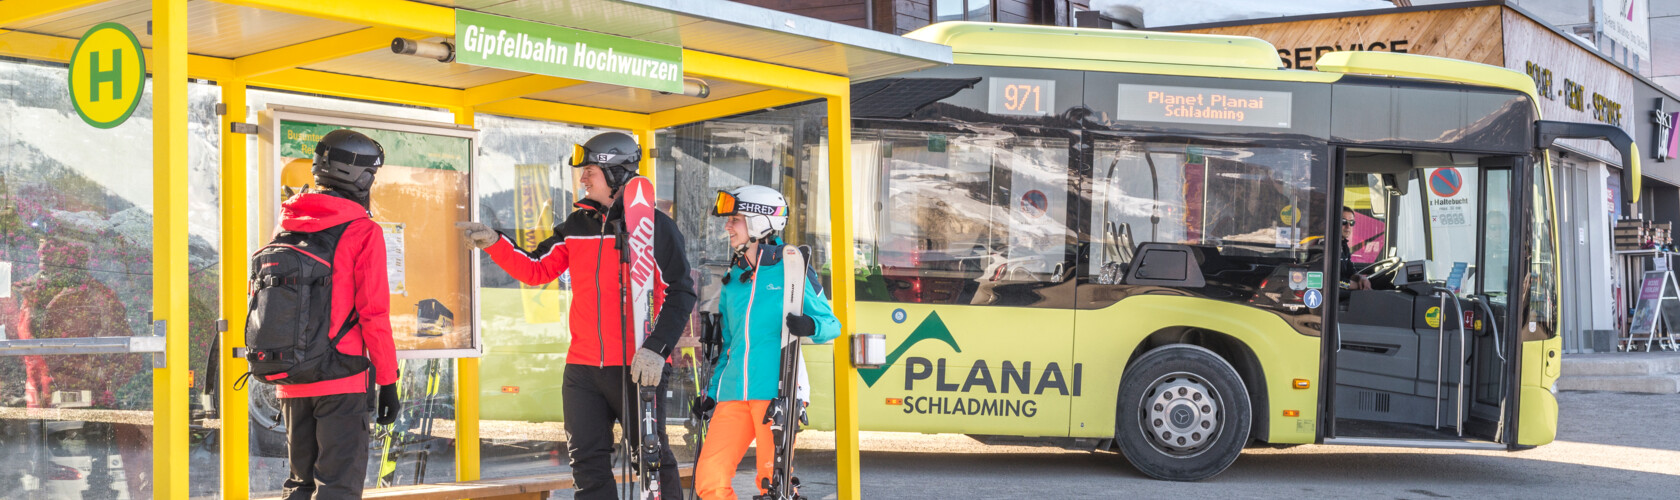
1287 215
107 75
1433 317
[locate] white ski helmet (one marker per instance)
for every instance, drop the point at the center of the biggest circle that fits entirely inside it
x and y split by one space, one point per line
764 208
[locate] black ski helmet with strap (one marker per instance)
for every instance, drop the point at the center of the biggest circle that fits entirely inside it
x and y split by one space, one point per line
345 161
616 153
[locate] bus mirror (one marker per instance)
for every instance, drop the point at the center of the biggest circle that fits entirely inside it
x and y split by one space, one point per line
1547 132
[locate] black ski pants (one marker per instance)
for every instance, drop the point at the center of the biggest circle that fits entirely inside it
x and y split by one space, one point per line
327 445
594 397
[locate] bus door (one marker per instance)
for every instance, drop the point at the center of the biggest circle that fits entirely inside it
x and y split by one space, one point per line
1420 355
964 264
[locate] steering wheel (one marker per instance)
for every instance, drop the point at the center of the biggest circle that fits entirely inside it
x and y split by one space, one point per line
1380 267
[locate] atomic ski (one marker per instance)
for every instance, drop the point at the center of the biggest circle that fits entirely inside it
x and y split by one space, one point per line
787 411
638 228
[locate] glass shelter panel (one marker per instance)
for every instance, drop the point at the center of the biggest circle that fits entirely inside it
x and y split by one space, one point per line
419 447
76 261
784 149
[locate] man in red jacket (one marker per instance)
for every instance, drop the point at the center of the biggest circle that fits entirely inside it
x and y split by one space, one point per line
327 421
594 393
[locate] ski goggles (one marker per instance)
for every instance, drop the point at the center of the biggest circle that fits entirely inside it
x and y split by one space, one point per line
582 156
727 205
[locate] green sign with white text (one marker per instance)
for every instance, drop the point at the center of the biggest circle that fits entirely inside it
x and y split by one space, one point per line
519 45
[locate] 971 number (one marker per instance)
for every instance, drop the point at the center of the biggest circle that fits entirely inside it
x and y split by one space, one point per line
1015 97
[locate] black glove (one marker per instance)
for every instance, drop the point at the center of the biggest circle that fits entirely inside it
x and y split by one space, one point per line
702 407
389 406
801 326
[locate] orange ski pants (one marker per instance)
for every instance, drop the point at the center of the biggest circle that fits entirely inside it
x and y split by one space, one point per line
734 425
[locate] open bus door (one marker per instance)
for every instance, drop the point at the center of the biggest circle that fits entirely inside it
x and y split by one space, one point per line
1421 354
1445 327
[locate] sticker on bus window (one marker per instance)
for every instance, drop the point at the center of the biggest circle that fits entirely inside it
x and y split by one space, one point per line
1313 299
1315 280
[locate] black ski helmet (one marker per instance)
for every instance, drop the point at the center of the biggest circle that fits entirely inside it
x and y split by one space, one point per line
616 153
345 161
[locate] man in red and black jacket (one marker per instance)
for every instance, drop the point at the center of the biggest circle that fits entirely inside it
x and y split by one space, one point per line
595 391
327 421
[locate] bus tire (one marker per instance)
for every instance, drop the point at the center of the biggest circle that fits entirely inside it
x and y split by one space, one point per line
1183 415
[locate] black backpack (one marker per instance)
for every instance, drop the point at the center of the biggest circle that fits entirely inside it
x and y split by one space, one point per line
287 329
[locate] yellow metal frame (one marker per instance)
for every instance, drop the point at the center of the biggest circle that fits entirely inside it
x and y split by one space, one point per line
280 69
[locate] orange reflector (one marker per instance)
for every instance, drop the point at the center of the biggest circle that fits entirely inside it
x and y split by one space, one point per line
895 402
1291 413
510 389
1302 383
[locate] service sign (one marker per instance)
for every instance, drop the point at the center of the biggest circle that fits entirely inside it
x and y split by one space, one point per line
1204 106
519 45
107 75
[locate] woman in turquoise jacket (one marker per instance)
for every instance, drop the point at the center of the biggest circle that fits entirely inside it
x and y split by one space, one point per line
748 373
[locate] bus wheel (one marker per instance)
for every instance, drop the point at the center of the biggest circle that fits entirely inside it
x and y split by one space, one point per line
1184 414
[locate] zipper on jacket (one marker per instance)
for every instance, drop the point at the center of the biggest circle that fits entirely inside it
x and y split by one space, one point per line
600 333
746 328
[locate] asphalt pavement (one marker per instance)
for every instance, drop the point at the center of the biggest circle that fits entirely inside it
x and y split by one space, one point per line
1609 445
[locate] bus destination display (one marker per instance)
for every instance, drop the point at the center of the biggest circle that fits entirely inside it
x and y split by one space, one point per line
1207 106
1021 96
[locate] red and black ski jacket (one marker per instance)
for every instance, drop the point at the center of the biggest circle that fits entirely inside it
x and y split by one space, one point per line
360 283
586 244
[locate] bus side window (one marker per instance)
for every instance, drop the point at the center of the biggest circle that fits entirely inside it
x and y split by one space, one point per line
947 217
1247 202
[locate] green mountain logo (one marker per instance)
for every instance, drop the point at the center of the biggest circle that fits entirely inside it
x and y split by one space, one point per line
931 328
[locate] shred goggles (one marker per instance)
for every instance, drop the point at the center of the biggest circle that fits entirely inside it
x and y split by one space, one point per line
727 205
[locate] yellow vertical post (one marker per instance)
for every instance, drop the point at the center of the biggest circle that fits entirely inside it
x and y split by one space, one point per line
235 404
169 245
466 385
847 459
644 138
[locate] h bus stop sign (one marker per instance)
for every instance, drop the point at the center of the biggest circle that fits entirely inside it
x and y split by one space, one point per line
107 75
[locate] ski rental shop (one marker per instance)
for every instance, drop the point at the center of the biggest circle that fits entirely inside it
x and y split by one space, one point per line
129 207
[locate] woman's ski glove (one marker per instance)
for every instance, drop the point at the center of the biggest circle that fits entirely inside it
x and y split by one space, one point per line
479 235
647 367
702 407
389 405
801 326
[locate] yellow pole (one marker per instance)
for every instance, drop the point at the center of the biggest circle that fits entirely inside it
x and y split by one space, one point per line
846 457
466 386
169 245
644 138
235 404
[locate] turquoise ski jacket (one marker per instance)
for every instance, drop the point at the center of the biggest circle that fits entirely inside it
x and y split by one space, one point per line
750 365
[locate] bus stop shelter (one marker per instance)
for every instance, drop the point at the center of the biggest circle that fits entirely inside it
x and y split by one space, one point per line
748 58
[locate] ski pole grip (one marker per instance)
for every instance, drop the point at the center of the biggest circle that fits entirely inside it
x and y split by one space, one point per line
869 350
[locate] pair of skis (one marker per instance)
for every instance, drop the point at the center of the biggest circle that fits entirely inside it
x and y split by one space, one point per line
787 412
637 273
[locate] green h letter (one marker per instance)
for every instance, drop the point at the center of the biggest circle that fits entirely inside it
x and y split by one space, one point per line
113 75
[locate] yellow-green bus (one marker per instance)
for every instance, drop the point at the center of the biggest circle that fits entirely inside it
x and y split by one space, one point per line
1134 241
